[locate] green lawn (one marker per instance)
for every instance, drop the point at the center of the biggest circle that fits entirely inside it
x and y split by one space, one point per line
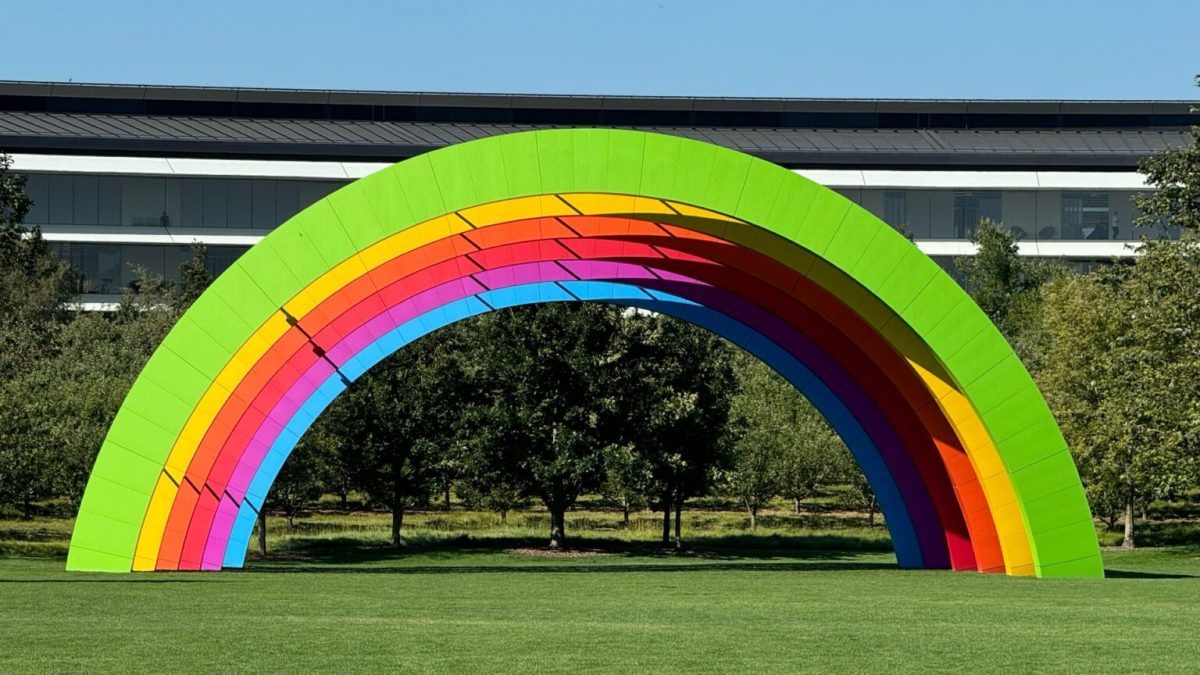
484 608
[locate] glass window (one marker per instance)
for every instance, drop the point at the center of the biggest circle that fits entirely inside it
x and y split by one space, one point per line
1085 215
191 198
895 209
917 204
219 258
263 205
173 257
312 190
1020 213
972 207
1122 213
86 200
37 187
239 204
107 264
941 214
142 201
1087 266
108 210
173 209
287 199
60 200
216 198
853 194
138 256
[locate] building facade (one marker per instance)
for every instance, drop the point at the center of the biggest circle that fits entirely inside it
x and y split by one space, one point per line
126 177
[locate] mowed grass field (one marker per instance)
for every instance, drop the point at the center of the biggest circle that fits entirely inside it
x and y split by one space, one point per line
764 602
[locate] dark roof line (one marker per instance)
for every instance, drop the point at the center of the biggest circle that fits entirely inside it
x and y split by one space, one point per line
583 101
358 140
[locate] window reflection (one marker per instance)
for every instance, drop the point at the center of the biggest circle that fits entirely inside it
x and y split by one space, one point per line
1085 215
1030 215
971 207
263 204
110 269
895 209
143 201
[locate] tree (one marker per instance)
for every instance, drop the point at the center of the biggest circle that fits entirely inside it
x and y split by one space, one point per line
66 372
447 471
500 491
14 202
261 529
389 428
860 495
335 465
1122 374
492 472
816 457
754 479
546 373
1175 176
756 476
34 290
55 412
676 384
193 276
628 479
394 456
785 447
1006 286
35 286
25 467
298 484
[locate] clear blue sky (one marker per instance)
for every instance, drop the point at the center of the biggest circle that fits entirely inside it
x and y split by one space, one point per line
902 48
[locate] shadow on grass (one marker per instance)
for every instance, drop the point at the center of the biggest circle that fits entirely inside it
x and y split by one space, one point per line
733 547
116 579
339 555
570 569
1131 574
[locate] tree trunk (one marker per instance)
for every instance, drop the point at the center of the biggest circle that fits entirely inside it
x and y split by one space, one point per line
753 516
871 514
345 497
397 523
397 496
796 505
1127 542
666 532
262 532
625 511
503 516
558 528
446 495
678 511
1110 520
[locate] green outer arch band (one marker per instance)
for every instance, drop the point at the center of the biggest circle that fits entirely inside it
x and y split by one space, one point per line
968 347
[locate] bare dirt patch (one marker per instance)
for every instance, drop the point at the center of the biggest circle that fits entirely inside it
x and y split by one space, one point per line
557 553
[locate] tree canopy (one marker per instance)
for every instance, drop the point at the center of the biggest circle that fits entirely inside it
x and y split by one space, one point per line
1122 373
1175 176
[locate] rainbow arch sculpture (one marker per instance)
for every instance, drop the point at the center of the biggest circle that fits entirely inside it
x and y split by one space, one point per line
968 463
